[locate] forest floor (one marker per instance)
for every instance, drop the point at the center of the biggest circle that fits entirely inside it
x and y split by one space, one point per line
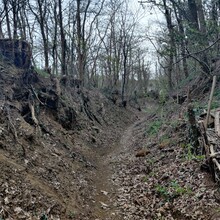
74 154
154 177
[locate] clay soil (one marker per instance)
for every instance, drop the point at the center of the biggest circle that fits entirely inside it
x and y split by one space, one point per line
70 153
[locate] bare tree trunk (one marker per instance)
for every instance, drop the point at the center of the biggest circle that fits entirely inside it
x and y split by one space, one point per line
202 28
179 19
197 19
22 22
124 76
79 42
193 14
172 43
41 18
54 47
63 40
5 2
14 4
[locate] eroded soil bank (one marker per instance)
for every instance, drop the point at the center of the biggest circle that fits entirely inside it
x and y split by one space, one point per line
70 153
55 139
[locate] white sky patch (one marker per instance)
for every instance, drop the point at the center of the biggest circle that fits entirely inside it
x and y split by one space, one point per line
150 19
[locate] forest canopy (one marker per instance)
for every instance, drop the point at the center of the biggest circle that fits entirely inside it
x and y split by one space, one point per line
104 46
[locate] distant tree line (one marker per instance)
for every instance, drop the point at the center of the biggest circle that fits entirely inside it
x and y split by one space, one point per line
94 41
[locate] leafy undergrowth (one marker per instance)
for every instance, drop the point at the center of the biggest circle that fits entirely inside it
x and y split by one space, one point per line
168 183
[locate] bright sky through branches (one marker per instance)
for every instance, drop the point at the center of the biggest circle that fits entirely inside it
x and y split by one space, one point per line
150 19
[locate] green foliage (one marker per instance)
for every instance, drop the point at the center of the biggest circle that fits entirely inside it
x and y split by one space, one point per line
162 191
171 191
154 127
187 80
144 180
151 110
189 155
162 96
217 94
178 190
214 104
150 161
200 107
152 174
41 72
43 217
164 139
174 123
71 215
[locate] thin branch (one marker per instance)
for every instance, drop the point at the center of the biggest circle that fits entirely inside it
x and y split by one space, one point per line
195 53
199 61
207 48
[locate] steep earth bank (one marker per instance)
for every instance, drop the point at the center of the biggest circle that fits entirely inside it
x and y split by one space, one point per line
54 137
70 153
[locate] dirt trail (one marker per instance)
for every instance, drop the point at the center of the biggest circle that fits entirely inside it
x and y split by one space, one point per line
105 201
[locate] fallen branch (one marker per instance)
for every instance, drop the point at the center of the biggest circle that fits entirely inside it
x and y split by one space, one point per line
210 101
33 114
35 94
214 155
31 107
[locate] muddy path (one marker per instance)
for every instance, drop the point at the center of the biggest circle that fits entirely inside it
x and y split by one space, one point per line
105 201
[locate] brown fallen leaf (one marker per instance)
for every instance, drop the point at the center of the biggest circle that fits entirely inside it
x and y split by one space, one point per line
142 153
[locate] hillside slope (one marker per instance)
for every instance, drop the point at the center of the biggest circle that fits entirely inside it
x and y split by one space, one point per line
70 153
51 136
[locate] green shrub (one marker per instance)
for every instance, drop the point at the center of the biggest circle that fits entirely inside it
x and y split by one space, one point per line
162 191
189 155
172 191
41 72
154 127
71 215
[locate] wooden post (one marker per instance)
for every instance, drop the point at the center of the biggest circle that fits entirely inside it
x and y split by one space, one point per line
194 129
210 101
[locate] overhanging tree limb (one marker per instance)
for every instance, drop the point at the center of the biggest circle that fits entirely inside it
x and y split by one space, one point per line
195 53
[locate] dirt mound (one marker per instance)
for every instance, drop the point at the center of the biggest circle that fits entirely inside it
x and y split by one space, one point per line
50 133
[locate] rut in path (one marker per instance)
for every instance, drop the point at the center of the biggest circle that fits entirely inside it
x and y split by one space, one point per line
105 205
